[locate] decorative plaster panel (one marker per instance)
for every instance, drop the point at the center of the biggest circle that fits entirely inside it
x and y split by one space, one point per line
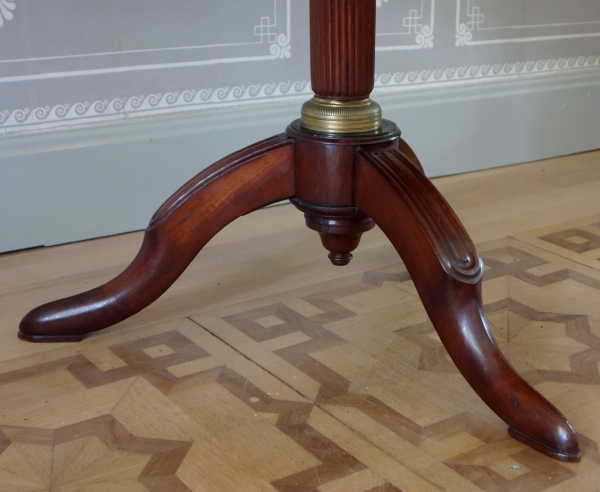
405 25
67 62
520 21
6 11
261 33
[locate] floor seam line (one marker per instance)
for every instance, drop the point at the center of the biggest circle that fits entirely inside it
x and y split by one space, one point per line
561 256
355 433
249 359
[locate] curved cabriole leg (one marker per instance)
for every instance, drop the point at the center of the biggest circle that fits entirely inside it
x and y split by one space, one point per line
249 179
447 271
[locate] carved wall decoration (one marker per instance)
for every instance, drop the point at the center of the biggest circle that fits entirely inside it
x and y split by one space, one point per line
6 11
477 23
150 105
405 25
263 38
487 71
66 63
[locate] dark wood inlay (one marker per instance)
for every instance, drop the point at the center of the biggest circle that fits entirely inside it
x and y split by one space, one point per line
524 262
293 421
377 278
581 241
139 363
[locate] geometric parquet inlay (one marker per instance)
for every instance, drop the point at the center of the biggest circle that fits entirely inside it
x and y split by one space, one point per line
340 385
355 383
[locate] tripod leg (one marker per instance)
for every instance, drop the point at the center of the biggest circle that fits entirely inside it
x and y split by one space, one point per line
244 181
447 271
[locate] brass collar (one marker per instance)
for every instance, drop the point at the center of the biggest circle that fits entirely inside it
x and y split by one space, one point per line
341 117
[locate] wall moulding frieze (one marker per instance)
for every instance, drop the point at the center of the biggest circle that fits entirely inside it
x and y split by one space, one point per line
405 24
258 30
484 72
193 100
480 22
150 105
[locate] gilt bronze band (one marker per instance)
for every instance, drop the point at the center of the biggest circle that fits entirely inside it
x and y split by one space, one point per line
341 117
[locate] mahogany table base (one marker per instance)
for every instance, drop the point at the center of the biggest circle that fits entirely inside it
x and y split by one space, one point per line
345 184
382 183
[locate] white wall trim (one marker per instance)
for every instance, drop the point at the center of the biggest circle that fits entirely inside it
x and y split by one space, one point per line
77 113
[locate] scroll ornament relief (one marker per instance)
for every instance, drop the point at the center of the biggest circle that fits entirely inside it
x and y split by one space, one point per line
473 28
424 37
94 111
280 43
153 104
172 102
413 24
281 49
266 30
6 11
464 31
486 71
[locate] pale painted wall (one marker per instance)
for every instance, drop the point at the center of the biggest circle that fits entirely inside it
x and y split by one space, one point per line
107 106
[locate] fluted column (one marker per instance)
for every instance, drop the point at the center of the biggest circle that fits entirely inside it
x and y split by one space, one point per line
342 48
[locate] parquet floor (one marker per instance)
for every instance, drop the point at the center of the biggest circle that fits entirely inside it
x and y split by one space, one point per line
265 368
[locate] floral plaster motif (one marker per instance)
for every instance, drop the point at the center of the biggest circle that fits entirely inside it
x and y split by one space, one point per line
474 27
6 11
417 25
280 44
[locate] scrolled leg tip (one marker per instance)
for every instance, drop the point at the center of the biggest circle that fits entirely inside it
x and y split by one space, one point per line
566 450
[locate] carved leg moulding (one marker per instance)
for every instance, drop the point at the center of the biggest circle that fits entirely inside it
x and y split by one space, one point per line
347 169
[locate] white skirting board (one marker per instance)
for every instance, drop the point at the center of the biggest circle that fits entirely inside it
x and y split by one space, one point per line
64 185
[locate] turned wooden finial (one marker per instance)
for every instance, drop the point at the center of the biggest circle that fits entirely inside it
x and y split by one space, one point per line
342 61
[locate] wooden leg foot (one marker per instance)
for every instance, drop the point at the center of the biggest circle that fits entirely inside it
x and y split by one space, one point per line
557 455
249 179
49 338
447 271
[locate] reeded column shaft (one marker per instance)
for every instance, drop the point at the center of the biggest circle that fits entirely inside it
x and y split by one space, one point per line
342 47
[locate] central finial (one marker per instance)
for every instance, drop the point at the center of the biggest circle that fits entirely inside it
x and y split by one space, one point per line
342 54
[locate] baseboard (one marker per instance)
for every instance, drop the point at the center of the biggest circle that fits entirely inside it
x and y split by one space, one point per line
71 184
470 127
